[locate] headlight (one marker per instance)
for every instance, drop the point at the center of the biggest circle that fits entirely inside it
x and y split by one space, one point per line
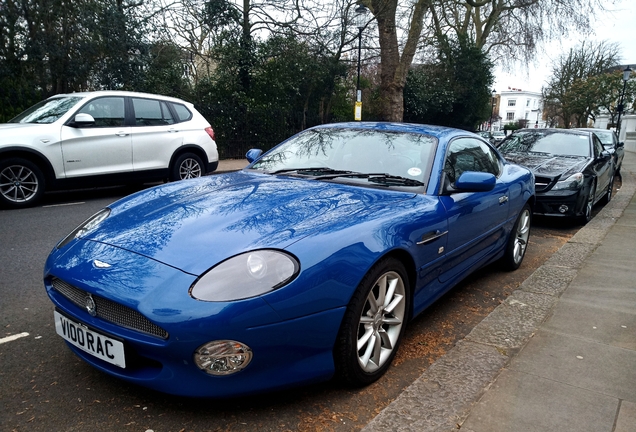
246 275
574 182
86 226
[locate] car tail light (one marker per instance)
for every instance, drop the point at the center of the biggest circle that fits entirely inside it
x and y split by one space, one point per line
210 132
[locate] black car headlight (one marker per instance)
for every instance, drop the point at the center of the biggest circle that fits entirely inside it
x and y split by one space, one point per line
85 227
246 275
574 182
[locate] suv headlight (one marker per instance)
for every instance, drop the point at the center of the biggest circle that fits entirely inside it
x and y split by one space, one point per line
574 182
246 275
85 227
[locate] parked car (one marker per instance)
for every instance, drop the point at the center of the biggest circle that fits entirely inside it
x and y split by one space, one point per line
611 143
307 263
487 136
498 136
572 169
101 138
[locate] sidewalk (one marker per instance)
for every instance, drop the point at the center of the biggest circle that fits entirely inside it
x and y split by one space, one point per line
558 355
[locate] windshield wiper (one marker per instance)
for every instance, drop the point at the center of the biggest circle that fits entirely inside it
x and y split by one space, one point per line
316 171
380 178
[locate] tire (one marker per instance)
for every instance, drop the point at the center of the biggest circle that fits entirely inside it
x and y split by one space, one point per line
21 183
518 240
369 335
187 166
610 189
589 204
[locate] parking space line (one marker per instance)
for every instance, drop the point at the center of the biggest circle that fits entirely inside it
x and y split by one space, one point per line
14 337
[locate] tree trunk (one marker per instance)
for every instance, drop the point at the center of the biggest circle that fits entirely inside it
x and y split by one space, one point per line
393 66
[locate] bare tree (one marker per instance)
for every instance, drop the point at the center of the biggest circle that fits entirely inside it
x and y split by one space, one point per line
572 91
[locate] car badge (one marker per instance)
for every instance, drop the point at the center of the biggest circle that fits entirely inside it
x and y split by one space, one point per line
90 305
101 264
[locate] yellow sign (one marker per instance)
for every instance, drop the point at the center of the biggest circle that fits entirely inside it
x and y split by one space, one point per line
357 112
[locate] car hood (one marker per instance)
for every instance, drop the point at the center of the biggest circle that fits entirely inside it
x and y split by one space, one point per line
27 133
194 224
548 165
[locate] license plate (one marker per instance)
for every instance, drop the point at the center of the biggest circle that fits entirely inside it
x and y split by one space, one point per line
103 347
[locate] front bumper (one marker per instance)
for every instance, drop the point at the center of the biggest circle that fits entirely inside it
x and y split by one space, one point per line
561 203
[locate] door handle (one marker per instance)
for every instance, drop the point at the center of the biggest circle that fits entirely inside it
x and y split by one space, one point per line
122 133
503 199
431 237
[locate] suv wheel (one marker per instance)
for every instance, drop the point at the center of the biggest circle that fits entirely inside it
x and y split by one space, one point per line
187 165
21 183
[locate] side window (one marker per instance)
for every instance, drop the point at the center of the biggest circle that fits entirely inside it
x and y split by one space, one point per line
467 154
107 111
183 113
149 112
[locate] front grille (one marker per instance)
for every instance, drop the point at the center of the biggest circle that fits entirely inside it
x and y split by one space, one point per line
109 310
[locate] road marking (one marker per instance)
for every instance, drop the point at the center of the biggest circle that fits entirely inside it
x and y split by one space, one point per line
64 205
14 337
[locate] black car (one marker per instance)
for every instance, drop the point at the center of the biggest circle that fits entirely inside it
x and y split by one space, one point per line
610 142
572 169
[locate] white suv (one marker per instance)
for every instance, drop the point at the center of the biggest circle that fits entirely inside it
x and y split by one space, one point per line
101 138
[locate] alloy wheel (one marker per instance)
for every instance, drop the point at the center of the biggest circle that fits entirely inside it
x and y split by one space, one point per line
18 183
381 321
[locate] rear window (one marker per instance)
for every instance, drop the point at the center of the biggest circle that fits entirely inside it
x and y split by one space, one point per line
150 112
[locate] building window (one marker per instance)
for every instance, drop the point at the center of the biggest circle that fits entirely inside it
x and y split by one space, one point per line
510 116
527 102
512 102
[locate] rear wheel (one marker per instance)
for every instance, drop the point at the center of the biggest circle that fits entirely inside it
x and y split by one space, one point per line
374 324
518 239
187 166
21 183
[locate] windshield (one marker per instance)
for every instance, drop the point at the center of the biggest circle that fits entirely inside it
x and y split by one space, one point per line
605 137
47 111
551 142
319 152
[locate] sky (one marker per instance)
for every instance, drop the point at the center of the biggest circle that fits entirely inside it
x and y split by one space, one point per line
618 25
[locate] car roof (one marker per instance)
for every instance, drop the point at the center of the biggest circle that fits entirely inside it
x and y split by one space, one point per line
92 94
556 130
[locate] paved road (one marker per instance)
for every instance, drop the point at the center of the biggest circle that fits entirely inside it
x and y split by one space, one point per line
43 386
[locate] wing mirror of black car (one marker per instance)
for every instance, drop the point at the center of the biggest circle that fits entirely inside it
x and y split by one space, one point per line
605 155
473 181
620 144
253 154
83 120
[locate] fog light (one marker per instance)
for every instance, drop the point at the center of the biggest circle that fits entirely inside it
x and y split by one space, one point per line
222 357
563 208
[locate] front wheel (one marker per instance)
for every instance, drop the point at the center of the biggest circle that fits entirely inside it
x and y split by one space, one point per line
610 189
373 324
21 183
518 239
589 204
187 166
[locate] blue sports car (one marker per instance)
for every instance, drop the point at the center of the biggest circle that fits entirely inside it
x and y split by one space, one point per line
305 265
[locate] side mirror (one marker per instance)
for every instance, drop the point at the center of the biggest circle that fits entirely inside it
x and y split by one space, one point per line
83 119
473 181
253 154
620 144
605 155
